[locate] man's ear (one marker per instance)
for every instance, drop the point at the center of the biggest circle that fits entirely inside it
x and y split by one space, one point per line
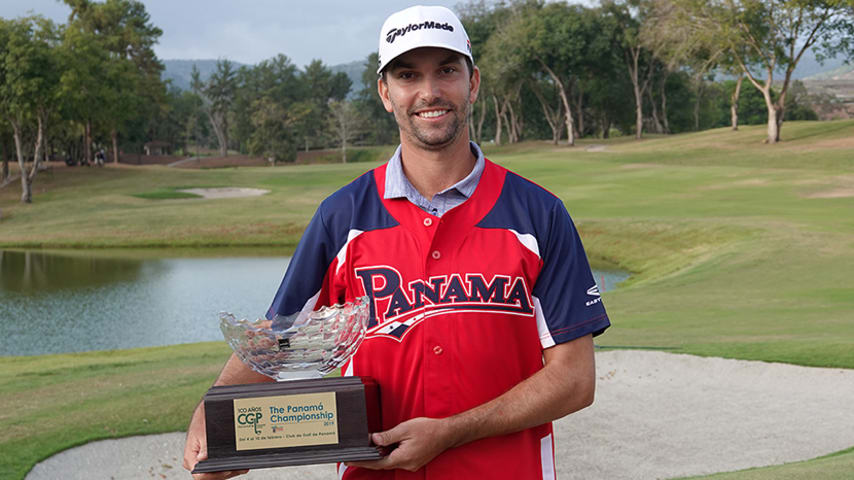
382 89
474 84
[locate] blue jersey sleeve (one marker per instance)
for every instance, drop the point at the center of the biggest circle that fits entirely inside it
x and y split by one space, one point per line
567 298
309 278
306 270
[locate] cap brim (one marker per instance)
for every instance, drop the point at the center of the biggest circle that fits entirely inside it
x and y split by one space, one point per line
427 45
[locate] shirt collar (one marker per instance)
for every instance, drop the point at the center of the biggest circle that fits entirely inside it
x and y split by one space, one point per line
398 186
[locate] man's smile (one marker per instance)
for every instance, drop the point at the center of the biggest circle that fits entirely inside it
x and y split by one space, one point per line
431 113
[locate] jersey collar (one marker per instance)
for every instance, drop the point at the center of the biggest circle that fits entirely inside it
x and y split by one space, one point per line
398 186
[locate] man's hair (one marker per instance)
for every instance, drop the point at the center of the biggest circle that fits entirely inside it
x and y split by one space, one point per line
392 64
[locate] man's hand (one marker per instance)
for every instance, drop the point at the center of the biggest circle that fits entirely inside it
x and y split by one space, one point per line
418 441
196 448
564 385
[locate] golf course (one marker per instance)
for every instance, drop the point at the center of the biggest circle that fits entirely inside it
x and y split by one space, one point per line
736 249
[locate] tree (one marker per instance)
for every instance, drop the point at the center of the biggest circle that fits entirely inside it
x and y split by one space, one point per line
218 94
5 134
274 134
767 36
550 102
123 82
629 16
321 87
30 88
675 34
186 108
483 22
549 40
381 129
344 121
674 45
504 67
270 108
132 75
81 86
5 102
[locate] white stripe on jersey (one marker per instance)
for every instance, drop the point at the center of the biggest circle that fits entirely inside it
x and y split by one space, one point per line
308 307
342 254
547 457
348 372
389 327
528 240
546 339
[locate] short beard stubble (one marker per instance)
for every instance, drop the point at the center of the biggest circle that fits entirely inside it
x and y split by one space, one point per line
431 140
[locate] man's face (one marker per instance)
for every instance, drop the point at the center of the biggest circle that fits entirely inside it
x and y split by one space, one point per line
429 90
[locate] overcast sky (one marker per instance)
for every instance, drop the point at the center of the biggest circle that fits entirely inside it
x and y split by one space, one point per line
335 31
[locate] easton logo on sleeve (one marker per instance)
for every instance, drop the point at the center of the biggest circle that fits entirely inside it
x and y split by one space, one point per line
399 32
396 308
593 292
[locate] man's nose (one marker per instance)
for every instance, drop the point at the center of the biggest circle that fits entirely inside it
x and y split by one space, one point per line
430 88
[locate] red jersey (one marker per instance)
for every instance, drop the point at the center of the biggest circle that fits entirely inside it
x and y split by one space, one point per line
462 306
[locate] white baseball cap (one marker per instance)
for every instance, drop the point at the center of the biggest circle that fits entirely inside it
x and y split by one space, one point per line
421 26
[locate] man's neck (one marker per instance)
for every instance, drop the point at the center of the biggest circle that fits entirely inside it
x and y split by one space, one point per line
431 171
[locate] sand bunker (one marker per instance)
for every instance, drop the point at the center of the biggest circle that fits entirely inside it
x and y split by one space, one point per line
640 165
226 192
656 415
835 193
747 182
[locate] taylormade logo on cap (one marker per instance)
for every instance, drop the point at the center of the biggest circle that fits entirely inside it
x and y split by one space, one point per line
421 26
395 32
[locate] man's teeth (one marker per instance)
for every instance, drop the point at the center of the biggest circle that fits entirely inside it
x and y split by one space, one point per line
432 113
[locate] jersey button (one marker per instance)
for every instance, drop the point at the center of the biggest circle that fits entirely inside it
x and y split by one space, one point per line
428 221
436 255
437 350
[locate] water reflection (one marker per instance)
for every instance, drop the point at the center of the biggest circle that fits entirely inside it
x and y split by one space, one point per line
125 303
79 301
29 271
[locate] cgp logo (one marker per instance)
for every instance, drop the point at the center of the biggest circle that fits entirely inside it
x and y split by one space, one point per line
250 418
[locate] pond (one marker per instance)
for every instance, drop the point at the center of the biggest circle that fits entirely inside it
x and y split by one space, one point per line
56 302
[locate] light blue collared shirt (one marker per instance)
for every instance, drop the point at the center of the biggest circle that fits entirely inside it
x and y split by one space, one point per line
398 186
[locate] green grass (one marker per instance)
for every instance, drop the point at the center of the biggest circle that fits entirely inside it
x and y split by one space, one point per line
165 195
355 154
836 466
53 402
736 250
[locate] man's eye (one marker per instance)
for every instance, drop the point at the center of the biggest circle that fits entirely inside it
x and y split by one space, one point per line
449 69
405 75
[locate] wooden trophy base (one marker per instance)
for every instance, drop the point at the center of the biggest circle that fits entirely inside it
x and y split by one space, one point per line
298 422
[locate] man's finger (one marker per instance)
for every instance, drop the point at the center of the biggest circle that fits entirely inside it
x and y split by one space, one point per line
236 473
219 475
192 457
388 437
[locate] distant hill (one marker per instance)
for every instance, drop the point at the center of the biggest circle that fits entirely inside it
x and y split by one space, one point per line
809 66
808 70
354 72
838 83
844 72
178 72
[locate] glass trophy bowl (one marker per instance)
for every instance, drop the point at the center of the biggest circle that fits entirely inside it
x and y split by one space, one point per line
299 346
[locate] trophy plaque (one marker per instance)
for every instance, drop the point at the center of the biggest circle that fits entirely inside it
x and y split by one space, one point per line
302 418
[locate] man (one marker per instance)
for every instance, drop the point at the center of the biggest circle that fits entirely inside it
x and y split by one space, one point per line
483 307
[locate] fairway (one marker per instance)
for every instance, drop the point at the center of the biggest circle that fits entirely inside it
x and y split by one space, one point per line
736 249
